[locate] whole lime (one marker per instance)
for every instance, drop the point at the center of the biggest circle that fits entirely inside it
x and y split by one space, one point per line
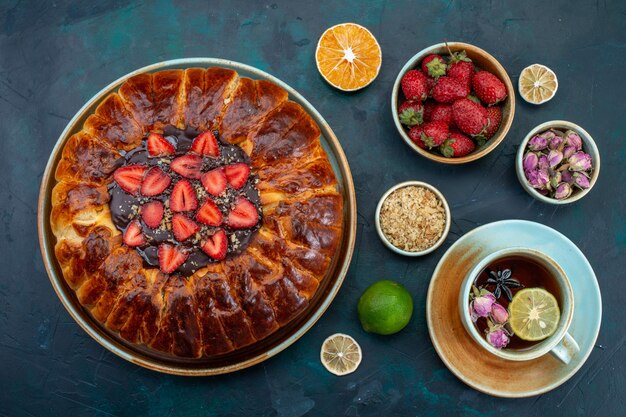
385 308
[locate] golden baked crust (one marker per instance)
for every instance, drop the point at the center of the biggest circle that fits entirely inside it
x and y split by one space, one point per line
225 305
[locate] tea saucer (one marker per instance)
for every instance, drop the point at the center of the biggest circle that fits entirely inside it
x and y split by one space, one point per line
463 356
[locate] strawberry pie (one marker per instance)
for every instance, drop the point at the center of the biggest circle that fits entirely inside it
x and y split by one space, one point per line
196 212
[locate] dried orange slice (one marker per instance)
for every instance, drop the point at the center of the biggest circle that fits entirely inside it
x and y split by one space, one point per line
537 84
348 56
340 354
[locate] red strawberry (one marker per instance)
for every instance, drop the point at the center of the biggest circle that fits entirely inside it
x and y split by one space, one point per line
428 110
159 146
448 90
457 145
469 116
133 236
129 178
183 227
210 214
183 197
155 182
171 257
434 133
494 115
416 136
488 88
414 85
431 83
237 174
189 166
152 214
216 246
443 113
205 144
434 66
411 113
243 215
214 181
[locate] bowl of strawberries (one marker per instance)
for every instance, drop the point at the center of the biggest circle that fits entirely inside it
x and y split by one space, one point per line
453 103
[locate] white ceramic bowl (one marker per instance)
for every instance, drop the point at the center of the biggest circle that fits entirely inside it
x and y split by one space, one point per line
589 146
443 202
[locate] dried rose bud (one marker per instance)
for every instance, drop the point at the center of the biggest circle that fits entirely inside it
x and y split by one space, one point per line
482 305
555 142
498 338
554 158
563 191
530 161
538 179
543 162
555 179
548 135
568 151
499 314
573 139
581 180
537 143
567 177
580 161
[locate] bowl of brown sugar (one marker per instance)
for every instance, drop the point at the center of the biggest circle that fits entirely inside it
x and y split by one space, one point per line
413 218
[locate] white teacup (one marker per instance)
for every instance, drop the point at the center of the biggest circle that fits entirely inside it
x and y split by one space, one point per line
561 344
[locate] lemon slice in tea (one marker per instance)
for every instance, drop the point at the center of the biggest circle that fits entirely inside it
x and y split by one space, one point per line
348 56
340 354
534 314
537 84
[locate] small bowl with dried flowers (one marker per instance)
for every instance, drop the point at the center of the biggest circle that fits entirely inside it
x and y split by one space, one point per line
558 162
412 218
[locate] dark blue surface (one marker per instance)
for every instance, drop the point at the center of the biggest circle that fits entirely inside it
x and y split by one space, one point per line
55 55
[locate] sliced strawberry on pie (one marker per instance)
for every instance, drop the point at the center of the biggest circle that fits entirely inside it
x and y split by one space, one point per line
237 174
216 246
155 182
189 166
129 177
152 214
159 146
133 236
243 215
214 181
205 144
183 197
171 257
210 214
183 227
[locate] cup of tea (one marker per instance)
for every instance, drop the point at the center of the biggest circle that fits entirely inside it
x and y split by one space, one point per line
517 303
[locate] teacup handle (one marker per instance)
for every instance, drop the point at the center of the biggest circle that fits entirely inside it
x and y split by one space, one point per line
566 349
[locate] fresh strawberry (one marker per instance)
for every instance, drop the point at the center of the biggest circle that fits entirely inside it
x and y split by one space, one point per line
431 83
129 177
205 144
457 145
183 227
243 215
237 174
429 105
159 146
216 246
210 214
133 236
183 197
214 181
469 116
448 90
189 166
434 133
411 113
434 66
494 115
416 136
414 85
171 257
442 113
155 182
152 214
488 88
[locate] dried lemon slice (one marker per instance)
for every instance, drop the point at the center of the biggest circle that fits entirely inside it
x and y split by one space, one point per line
534 314
348 56
340 354
537 84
